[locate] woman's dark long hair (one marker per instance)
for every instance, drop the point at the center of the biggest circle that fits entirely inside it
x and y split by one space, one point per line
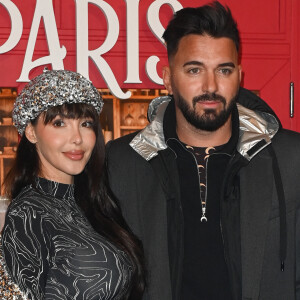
92 191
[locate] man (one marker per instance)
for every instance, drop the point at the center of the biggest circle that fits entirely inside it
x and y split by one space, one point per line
211 185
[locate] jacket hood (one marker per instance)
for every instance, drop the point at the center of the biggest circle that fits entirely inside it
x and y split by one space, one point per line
257 128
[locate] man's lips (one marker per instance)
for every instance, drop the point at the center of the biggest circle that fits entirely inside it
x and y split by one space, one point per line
74 155
209 103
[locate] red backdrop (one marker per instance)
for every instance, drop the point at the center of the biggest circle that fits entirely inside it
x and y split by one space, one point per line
270 45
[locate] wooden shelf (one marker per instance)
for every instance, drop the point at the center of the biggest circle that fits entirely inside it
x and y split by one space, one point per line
132 108
4 155
4 170
136 106
113 119
8 133
136 98
133 127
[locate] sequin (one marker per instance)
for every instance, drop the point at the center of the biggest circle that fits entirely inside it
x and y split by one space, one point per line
8 289
53 88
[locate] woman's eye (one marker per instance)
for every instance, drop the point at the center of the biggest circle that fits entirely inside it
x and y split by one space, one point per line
87 123
58 123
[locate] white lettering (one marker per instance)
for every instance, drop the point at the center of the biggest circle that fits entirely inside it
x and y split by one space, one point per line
151 69
16 26
57 52
83 53
158 30
43 9
132 41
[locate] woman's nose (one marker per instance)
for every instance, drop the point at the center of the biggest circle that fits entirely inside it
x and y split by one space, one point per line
76 135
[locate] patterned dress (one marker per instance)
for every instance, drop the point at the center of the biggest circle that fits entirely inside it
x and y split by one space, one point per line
52 252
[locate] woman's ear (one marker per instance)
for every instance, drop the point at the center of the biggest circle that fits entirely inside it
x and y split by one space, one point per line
30 133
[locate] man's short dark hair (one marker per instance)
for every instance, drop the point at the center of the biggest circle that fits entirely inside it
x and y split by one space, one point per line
212 19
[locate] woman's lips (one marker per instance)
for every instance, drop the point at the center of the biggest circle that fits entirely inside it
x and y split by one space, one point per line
74 155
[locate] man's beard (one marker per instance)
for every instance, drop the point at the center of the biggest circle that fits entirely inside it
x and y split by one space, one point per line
210 120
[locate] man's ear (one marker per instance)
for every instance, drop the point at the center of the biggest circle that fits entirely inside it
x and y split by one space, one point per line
30 133
240 73
167 79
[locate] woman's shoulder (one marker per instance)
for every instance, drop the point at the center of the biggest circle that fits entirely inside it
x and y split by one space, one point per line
29 198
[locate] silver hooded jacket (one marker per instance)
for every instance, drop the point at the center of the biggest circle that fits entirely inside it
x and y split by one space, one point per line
268 206
254 127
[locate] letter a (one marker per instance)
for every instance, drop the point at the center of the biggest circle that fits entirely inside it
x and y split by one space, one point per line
43 9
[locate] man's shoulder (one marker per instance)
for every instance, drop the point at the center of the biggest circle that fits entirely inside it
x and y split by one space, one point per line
121 143
120 149
286 137
123 140
286 144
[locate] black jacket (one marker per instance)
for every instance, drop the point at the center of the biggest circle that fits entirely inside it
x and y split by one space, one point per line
143 175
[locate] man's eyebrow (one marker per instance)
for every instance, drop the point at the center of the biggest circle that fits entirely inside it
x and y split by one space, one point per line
227 64
194 63
199 63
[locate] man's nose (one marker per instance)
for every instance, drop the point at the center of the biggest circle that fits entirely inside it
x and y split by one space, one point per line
209 83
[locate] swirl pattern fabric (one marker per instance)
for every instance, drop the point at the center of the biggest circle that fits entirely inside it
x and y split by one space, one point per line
52 252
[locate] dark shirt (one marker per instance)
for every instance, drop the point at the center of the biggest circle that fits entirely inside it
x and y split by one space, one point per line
52 252
205 274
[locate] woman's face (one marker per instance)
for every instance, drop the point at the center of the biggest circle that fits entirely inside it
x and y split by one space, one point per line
64 146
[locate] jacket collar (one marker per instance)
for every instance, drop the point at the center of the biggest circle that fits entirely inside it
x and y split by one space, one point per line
256 129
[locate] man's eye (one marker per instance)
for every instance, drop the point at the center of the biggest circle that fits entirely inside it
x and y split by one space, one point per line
226 71
193 71
58 123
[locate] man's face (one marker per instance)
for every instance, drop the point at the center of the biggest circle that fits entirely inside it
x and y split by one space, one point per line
204 78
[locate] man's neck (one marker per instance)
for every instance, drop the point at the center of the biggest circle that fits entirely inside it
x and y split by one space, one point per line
190 135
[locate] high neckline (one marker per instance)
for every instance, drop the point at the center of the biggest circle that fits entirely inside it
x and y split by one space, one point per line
55 189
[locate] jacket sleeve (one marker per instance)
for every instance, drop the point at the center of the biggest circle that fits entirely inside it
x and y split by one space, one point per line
298 252
26 245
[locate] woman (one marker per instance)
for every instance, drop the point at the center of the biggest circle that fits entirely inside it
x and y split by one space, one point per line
64 236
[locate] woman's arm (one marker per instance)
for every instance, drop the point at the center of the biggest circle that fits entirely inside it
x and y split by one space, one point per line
26 247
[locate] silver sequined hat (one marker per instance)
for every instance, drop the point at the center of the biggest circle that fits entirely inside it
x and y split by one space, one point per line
53 88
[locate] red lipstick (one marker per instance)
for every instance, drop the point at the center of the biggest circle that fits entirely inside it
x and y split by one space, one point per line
74 154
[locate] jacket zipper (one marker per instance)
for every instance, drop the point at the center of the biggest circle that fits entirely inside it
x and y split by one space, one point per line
181 251
221 226
178 289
